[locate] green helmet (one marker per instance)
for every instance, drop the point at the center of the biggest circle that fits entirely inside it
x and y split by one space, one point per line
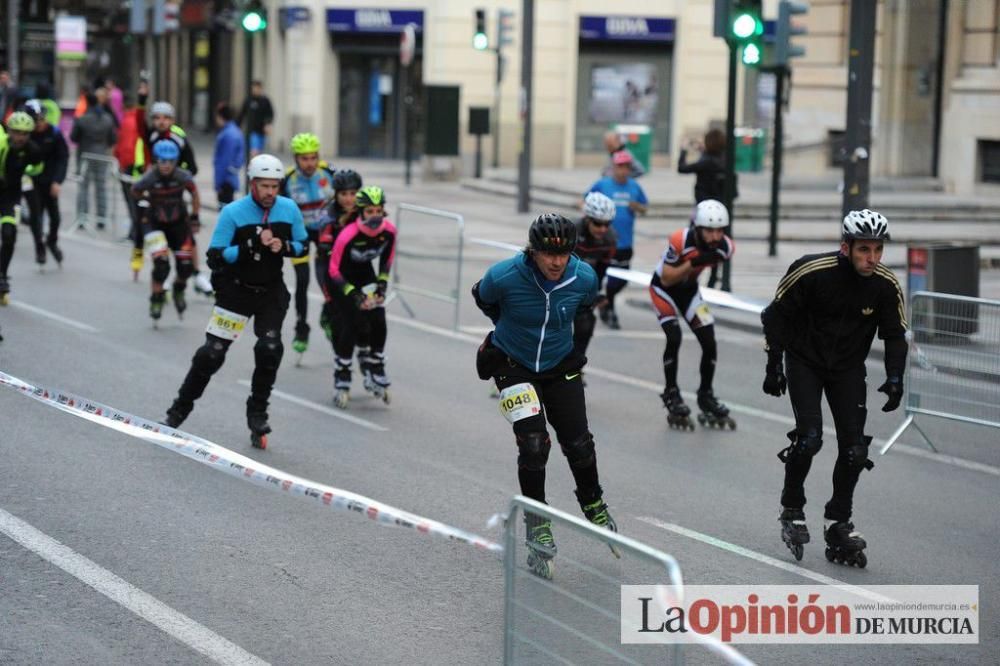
305 143
20 121
370 196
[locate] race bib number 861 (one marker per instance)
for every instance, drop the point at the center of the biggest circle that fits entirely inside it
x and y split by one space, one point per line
226 324
519 401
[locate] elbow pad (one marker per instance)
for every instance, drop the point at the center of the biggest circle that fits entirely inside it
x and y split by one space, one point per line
491 310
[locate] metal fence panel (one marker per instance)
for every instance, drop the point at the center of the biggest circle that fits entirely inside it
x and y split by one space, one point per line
954 362
574 617
429 256
100 174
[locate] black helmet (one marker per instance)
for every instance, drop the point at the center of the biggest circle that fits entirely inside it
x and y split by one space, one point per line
346 179
551 232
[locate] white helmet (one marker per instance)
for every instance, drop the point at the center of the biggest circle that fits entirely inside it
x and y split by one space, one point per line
599 207
162 109
711 214
265 166
865 225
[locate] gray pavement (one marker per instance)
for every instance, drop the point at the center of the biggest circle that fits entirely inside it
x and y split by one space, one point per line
291 582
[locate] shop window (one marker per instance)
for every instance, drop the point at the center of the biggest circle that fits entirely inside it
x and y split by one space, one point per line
989 161
835 140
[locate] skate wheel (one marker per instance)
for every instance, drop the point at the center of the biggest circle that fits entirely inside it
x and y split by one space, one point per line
541 567
861 560
829 555
386 398
797 550
732 425
258 441
701 419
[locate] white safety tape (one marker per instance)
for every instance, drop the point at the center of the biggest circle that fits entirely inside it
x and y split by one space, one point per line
234 464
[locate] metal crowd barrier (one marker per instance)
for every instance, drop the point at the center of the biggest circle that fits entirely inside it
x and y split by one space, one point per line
954 362
101 173
575 617
433 245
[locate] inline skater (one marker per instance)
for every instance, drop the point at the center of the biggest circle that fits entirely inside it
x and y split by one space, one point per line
165 224
819 330
251 239
47 183
532 298
359 294
675 293
310 185
341 211
595 244
630 200
19 156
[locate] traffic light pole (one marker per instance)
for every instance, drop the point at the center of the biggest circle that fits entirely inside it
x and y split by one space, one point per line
779 146
496 109
527 65
729 193
857 139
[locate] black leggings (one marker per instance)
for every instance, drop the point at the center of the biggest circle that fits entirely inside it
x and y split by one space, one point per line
623 259
709 353
846 393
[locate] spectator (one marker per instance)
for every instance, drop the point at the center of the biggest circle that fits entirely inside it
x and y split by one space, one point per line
258 114
229 154
132 154
94 133
614 145
116 100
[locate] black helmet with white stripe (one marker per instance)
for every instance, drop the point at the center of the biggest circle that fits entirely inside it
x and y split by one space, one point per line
865 225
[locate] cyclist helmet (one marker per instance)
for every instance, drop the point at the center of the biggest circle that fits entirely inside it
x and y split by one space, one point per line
711 214
166 150
346 179
162 109
33 107
370 196
865 225
305 143
551 232
599 207
265 166
20 121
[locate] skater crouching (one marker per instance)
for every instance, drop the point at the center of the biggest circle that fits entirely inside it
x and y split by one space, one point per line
248 246
675 293
819 330
537 371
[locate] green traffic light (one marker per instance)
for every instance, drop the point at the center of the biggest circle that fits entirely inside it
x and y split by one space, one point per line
253 22
480 41
744 26
751 54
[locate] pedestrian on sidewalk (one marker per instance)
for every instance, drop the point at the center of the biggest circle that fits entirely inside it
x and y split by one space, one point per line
710 173
258 114
614 145
93 132
132 154
229 154
630 200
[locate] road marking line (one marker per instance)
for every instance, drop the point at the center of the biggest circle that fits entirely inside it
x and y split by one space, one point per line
763 559
746 410
329 411
52 315
147 607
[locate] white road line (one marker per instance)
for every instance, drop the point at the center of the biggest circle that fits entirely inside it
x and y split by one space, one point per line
52 315
329 411
737 408
763 559
154 611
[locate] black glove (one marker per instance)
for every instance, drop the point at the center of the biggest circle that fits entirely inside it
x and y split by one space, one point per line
706 259
380 288
893 387
359 298
775 382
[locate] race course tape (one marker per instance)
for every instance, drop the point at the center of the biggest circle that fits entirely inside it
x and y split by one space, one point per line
234 464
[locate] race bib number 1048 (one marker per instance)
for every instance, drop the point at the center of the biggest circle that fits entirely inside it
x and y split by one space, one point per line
519 401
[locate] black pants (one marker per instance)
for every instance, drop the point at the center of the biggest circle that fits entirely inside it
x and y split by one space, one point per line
301 266
623 259
564 407
267 307
846 394
357 328
225 194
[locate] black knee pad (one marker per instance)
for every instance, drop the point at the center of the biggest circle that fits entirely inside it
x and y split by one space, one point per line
856 456
268 352
803 446
580 452
185 269
533 451
161 269
706 338
211 355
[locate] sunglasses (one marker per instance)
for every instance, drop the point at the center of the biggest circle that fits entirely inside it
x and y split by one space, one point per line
600 224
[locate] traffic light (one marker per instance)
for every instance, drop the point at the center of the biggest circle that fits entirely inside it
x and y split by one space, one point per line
746 28
254 18
505 27
480 41
785 30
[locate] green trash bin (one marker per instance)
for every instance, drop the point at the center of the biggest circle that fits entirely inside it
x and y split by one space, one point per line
639 140
751 144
